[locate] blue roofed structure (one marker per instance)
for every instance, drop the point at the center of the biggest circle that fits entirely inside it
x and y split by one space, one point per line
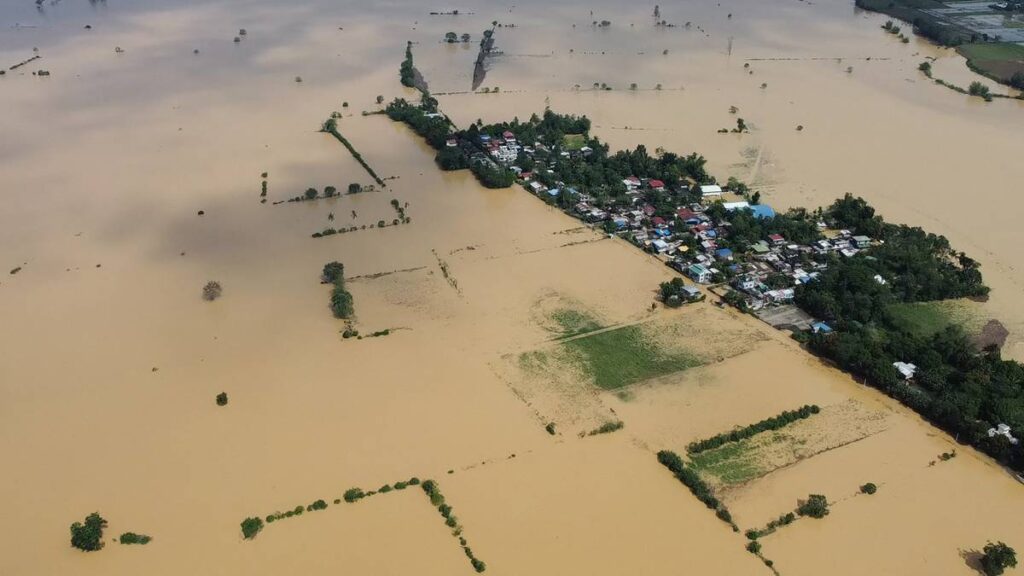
762 211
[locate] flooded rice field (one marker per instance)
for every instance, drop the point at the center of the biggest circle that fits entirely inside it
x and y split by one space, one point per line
132 175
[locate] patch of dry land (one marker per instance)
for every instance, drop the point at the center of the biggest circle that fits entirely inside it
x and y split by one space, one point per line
503 316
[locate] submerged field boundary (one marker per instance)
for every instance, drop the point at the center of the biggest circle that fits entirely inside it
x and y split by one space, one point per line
254 525
331 127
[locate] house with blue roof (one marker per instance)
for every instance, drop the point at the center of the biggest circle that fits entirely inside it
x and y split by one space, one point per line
723 254
762 211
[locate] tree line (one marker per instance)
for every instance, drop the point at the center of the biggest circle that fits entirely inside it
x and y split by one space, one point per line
692 480
774 423
341 298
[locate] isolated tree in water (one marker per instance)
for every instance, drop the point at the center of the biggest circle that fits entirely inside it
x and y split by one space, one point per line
211 291
997 558
88 536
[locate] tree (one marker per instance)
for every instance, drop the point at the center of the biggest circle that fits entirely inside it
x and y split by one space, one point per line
211 291
465 37
816 506
380 99
251 527
354 188
451 37
330 191
222 399
1017 80
311 193
88 536
333 271
997 558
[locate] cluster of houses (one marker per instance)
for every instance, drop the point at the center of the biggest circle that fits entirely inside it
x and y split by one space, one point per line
766 273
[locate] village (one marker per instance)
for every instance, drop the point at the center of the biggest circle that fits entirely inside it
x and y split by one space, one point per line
695 238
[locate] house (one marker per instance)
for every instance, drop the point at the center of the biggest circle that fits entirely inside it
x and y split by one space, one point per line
537 187
723 254
861 241
1002 430
451 143
692 292
660 245
710 191
656 184
730 206
687 215
762 211
821 328
508 136
658 221
632 182
906 369
776 239
699 273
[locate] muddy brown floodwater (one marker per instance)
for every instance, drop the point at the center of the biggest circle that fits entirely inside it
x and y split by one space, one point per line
111 359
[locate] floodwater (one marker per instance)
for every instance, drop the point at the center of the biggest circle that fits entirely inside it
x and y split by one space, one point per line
112 360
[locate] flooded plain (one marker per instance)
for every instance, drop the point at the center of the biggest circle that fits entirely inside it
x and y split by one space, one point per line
111 359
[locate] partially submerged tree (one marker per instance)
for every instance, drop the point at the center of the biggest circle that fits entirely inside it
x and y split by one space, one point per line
88 535
997 558
212 291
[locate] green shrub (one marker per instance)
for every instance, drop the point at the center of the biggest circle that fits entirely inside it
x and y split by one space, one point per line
353 494
868 488
550 427
607 427
88 535
816 506
997 558
222 399
754 547
251 527
133 538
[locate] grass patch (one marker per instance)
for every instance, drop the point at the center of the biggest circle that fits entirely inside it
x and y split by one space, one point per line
925 319
574 323
624 356
733 463
574 141
992 51
996 60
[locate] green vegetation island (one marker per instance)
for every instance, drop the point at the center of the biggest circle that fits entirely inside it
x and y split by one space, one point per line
842 265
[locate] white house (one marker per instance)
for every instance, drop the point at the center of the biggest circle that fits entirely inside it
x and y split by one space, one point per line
906 369
710 190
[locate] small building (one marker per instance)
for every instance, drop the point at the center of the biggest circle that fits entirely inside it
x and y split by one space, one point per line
711 191
699 273
1002 430
821 328
656 184
762 211
861 241
660 245
723 254
906 369
730 206
776 239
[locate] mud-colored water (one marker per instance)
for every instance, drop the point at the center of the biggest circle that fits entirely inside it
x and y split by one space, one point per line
111 360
